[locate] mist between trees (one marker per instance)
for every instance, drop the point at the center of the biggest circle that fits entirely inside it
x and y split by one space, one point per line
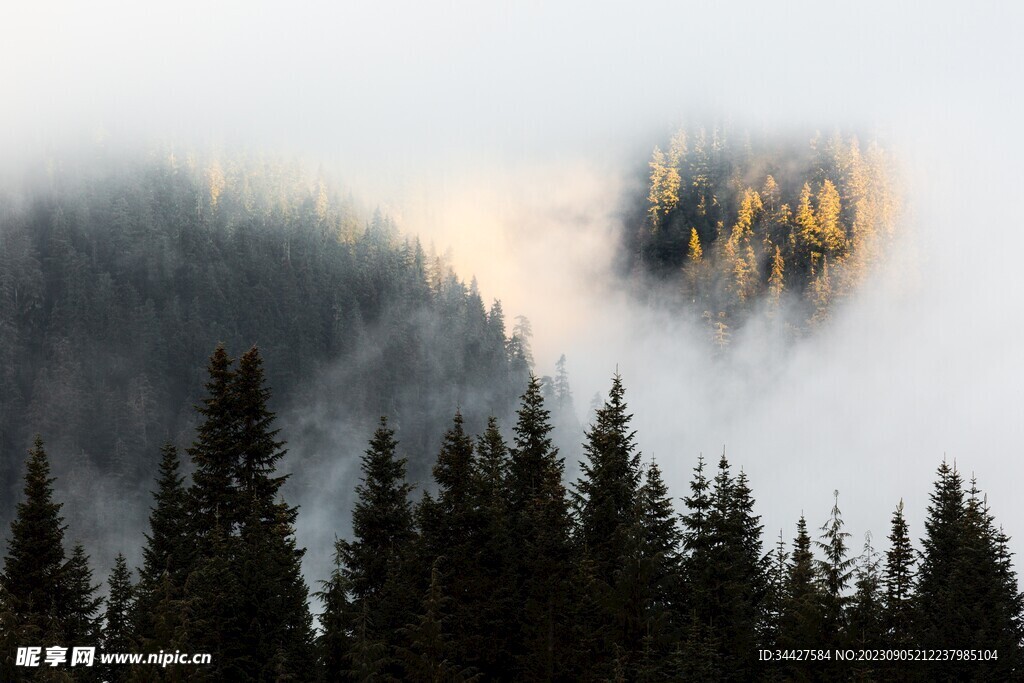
505 572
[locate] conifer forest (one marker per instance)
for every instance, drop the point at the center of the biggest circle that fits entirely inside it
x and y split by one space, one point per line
441 342
474 553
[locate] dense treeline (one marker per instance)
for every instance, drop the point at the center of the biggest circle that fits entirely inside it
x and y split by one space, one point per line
504 572
117 280
747 223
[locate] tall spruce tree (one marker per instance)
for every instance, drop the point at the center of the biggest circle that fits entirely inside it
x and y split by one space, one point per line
660 576
496 557
452 537
540 529
34 576
215 456
273 611
725 570
167 558
118 629
983 608
835 570
899 582
608 531
382 527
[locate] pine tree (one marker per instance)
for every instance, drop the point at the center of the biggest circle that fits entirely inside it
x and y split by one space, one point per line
79 606
606 494
166 557
608 527
496 559
337 626
802 615
660 575
118 629
776 283
273 612
866 604
214 453
936 597
33 579
428 659
801 622
540 530
454 532
983 604
836 571
382 528
833 236
899 582
724 570
806 222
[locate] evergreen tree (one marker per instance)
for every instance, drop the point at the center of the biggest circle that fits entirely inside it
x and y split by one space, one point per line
864 623
966 589
899 582
496 559
166 557
427 659
337 626
382 528
936 596
606 494
724 572
660 576
273 611
835 570
802 614
540 530
215 454
34 576
609 530
452 529
79 606
118 629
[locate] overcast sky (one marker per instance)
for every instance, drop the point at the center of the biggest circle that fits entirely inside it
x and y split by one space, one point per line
509 131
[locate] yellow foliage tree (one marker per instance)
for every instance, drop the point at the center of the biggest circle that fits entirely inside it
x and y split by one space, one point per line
832 234
806 222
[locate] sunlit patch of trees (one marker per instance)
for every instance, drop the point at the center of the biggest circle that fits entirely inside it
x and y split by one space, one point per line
740 224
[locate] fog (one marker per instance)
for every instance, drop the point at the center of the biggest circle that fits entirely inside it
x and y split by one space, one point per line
512 133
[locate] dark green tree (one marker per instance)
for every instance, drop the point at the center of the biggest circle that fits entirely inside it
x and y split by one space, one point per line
899 582
374 561
118 629
167 557
540 532
34 576
835 570
81 605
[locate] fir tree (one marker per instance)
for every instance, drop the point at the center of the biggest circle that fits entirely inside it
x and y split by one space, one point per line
428 659
836 571
382 527
166 557
540 530
80 606
214 453
899 582
118 629
496 558
34 576
608 527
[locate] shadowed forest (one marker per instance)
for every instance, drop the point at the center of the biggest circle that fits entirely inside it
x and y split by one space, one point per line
506 571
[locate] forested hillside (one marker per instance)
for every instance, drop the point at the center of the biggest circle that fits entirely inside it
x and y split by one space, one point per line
118 277
735 223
